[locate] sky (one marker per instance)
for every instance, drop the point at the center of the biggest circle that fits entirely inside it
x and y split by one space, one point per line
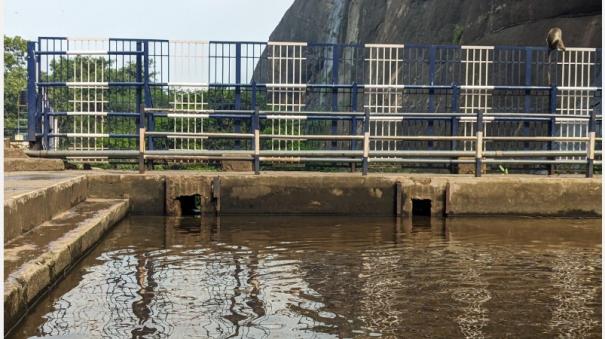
231 20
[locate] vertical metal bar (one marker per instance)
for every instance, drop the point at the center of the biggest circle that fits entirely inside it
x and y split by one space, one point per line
32 97
528 62
256 126
527 103
147 93
366 141
454 120
553 123
148 103
479 144
46 143
432 52
335 65
238 90
353 129
590 148
139 77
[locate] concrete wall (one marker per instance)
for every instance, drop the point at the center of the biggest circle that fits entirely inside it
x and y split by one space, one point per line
273 194
352 194
145 192
524 196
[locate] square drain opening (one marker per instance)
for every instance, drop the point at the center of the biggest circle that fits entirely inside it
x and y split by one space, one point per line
421 207
190 204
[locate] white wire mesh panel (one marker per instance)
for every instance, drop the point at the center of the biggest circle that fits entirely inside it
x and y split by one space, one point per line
286 92
187 119
188 63
575 96
188 93
476 91
384 92
89 65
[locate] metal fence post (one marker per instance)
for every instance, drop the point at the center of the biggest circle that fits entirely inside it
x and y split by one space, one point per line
141 150
454 120
139 76
32 98
479 145
432 57
366 141
553 123
238 89
527 99
147 95
590 147
46 127
335 63
256 124
256 128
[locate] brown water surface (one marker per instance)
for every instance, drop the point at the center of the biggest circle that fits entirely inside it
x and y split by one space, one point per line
285 277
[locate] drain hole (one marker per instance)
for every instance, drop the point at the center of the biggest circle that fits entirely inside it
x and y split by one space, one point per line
421 207
190 204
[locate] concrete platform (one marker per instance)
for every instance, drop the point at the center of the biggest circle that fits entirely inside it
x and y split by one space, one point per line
16 183
33 261
32 198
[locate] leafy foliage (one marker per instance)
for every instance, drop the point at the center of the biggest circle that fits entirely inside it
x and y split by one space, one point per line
15 76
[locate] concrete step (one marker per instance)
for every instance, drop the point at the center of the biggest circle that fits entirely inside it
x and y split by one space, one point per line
32 164
31 200
35 260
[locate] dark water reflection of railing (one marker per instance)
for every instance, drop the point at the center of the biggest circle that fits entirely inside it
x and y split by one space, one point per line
283 277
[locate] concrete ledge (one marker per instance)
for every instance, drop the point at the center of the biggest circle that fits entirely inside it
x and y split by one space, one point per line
314 195
145 192
524 196
32 164
311 193
37 259
24 211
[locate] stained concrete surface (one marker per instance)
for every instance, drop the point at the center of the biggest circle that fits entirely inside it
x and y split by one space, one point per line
524 196
156 192
32 164
34 260
16 183
33 199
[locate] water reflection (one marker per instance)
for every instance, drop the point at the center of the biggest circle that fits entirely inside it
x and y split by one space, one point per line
575 293
332 277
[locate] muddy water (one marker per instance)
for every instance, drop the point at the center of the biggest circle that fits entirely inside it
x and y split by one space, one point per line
332 277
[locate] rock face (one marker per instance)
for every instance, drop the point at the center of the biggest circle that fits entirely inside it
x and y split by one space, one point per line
485 22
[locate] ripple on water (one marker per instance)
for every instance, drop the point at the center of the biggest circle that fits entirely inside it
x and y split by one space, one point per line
317 277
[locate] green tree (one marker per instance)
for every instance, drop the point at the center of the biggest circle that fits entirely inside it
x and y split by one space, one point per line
15 76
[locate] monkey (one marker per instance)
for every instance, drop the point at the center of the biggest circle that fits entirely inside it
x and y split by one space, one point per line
554 40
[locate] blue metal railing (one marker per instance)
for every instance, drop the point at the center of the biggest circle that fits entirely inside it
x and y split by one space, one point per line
150 86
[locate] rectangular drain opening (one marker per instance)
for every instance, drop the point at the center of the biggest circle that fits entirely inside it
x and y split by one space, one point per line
190 204
421 207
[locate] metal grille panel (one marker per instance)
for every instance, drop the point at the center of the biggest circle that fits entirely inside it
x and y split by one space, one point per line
286 92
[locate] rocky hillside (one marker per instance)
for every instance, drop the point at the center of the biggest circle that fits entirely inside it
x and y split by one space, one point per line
486 22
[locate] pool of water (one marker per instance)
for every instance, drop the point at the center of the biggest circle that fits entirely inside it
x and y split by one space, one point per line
290 277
